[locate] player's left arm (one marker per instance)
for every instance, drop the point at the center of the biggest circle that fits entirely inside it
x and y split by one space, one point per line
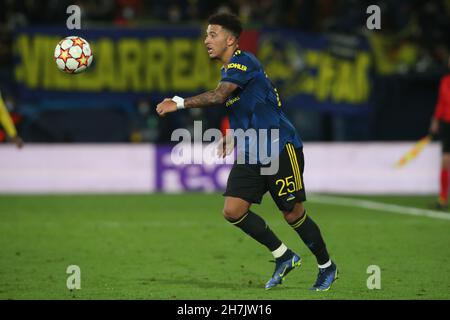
206 99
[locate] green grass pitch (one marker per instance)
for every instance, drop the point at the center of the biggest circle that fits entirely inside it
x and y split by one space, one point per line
180 247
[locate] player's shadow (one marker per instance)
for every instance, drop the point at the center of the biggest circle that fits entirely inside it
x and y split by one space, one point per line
202 283
209 284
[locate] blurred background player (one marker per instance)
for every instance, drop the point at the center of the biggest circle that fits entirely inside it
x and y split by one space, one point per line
8 124
440 123
253 103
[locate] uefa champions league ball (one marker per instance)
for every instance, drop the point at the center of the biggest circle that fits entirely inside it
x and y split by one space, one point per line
73 55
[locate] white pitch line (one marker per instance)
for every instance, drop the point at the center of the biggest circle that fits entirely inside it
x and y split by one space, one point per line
379 206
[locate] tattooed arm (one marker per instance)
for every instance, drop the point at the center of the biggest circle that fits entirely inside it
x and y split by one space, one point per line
213 97
209 98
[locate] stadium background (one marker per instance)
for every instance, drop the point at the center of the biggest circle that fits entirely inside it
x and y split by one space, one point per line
340 81
358 97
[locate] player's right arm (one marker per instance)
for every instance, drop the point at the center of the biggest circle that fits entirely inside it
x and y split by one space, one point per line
213 97
239 71
206 99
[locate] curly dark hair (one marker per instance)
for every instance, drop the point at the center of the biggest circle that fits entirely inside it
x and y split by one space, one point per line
228 21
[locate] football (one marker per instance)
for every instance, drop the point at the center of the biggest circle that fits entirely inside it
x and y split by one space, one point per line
73 55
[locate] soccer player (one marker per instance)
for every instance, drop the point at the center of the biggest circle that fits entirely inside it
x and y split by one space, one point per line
252 102
8 125
440 123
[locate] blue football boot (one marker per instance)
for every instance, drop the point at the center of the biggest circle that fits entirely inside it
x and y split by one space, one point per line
282 268
325 278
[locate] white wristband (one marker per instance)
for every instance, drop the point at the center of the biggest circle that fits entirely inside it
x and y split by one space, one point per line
179 101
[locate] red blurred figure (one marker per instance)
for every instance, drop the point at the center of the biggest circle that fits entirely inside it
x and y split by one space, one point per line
440 123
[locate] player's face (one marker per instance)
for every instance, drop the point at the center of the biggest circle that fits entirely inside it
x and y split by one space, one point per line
216 41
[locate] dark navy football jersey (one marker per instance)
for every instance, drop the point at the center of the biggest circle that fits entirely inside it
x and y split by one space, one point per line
255 104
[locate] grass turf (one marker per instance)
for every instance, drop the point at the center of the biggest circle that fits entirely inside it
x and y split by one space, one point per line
179 247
